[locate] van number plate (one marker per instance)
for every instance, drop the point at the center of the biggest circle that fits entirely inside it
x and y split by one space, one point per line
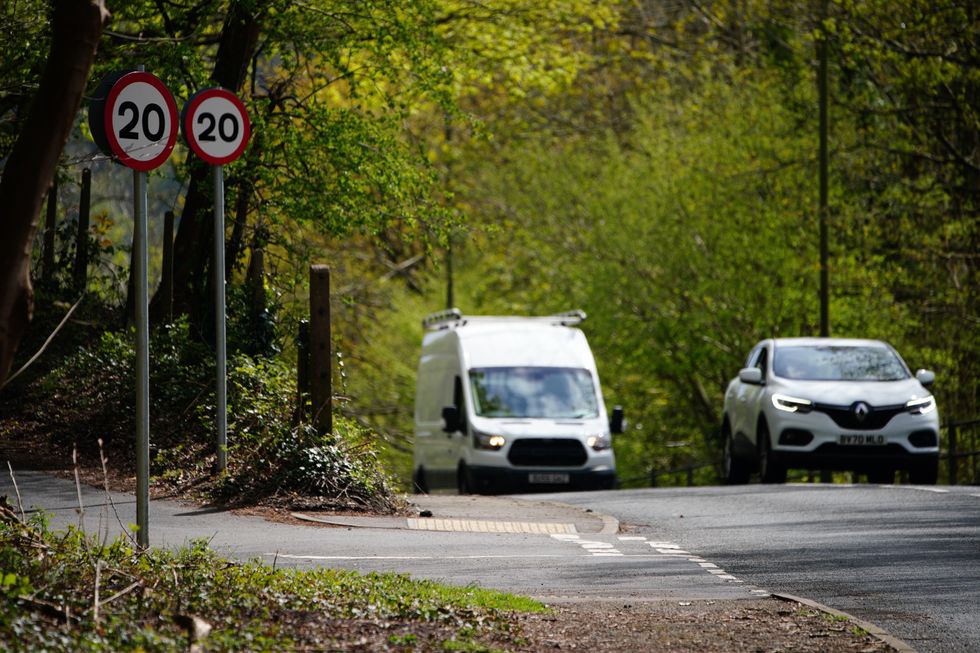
549 479
862 439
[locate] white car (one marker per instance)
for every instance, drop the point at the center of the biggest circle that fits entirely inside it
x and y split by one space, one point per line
829 404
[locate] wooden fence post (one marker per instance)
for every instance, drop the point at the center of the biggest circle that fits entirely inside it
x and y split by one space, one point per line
302 369
80 273
320 363
953 436
167 278
50 224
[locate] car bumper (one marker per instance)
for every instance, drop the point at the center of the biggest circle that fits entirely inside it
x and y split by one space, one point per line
508 480
814 440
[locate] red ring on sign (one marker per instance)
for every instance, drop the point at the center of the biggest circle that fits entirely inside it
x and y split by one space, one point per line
143 165
190 109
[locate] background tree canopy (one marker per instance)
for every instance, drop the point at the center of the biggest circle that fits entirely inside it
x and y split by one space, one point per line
654 163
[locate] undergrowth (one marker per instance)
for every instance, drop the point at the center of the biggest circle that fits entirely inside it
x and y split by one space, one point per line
64 591
88 402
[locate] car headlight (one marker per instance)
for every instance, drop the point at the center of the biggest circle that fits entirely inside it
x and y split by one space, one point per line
792 404
921 406
599 442
491 442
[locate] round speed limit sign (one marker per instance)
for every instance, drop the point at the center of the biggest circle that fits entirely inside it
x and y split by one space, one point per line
140 120
216 125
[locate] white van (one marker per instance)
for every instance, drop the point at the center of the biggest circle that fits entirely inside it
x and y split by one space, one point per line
510 404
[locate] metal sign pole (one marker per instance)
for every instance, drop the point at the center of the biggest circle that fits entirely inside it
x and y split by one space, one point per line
133 118
221 423
217 128
142 361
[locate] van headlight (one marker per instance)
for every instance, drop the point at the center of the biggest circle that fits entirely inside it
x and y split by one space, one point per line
792 404
489 442
921 406
599 442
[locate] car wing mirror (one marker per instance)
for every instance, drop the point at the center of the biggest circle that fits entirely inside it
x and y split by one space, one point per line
450 417
751 375
617 422
926 377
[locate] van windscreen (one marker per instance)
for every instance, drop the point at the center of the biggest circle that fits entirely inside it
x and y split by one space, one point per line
545 392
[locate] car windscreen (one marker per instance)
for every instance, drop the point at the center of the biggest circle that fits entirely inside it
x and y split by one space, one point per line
838 363
545 392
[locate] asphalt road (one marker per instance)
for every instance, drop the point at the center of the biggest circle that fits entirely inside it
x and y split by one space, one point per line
563 566
905 558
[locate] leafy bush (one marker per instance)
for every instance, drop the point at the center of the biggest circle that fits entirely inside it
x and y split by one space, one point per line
272 456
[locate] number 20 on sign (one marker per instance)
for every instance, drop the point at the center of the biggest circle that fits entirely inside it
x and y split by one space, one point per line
134 119
216 125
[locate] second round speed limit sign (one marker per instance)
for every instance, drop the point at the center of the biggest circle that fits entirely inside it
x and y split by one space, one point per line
216 125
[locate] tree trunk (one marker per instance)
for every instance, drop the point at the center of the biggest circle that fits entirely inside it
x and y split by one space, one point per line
76 28
193 249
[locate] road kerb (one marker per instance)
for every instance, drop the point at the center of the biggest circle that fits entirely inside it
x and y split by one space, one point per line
876 631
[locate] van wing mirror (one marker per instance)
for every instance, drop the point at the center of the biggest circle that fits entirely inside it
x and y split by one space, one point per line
450 415
617 422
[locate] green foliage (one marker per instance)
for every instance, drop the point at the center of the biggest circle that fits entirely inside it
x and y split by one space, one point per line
652 163
671 193
144 598
271 455
650 233
24 24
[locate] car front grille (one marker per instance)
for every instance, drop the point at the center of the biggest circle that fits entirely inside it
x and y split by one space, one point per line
846 417
547 452
855 451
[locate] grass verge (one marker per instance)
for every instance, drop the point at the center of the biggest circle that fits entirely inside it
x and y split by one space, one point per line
65 591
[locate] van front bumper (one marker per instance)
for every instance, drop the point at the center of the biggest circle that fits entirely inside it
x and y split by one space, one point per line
490 480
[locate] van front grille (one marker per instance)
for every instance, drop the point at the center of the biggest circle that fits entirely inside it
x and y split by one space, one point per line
547 452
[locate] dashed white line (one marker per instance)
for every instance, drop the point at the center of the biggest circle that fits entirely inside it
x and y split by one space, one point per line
665 549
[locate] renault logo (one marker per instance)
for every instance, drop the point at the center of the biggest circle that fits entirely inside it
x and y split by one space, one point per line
861 411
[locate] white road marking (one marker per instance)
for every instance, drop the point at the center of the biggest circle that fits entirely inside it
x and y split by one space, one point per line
666 550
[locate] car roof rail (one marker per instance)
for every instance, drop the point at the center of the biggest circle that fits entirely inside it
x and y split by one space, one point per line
453 318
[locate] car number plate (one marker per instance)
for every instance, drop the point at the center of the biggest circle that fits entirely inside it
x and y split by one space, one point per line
548 478
862 439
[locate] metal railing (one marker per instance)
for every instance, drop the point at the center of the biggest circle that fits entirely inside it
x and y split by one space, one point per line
959 447
687 471
961 457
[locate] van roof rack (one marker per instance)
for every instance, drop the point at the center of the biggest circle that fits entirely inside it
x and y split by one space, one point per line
453 318
442 319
